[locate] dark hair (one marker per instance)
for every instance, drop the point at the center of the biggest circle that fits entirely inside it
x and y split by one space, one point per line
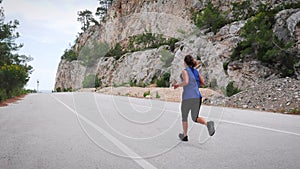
189 60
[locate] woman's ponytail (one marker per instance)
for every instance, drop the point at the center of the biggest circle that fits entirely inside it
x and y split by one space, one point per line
190 61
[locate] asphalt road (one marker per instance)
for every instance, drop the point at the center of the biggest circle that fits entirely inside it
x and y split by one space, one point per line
89 130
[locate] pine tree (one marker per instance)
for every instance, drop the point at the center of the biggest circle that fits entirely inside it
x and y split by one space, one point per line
85 17
14 70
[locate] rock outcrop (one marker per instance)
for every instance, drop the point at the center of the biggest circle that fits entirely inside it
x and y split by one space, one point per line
138 67
286 23
211 50
69 75
171 19
128 18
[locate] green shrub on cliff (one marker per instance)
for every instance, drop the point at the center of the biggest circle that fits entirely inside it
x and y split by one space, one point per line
91 81
141 42
231 90
242 10
116 52
147 93
261 43
149 40
69 55
211 17
164 81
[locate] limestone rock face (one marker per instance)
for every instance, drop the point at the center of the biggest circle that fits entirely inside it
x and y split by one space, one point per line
286 22
69 75
211 50
287 28
138 67
171 19
128 18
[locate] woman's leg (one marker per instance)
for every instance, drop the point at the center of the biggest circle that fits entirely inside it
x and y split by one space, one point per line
195 113
185 127
185 112
201 120
195 109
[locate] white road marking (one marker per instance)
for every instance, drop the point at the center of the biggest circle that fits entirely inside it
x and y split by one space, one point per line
135 157
260 127
232 122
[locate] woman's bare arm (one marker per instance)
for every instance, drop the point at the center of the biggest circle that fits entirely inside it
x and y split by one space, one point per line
185 80
202 82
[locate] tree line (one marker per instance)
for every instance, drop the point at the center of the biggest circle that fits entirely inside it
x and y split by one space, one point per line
14 68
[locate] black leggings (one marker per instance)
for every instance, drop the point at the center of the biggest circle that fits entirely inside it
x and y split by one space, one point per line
192 105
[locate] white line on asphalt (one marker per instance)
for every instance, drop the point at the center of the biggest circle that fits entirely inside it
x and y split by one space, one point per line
260 127
142 162
237 123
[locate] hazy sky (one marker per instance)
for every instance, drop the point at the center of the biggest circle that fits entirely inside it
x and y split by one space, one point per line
47 28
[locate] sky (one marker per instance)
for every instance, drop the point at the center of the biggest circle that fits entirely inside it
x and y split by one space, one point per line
46 28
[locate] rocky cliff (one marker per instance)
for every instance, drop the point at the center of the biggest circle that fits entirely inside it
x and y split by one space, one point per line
170 18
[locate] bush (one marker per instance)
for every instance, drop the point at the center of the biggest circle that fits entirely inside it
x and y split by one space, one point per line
32 91
2 95
147 93
225 67
69 55
157 95
210 17
58 89
91 81
14 93
295 110
261 43
164 81
171 42
132 83
149 40
68 89
140 42
14 68
242 10
167 58
19 92
13 78
116 52
141 84
231 90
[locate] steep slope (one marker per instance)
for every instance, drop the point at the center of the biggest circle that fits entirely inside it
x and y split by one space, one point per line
168 18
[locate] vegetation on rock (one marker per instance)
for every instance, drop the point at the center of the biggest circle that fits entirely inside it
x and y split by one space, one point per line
231 90
69 55
211 17
91 81
141 42
164 81
260 43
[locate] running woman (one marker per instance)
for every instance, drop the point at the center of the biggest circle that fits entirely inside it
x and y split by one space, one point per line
191 97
